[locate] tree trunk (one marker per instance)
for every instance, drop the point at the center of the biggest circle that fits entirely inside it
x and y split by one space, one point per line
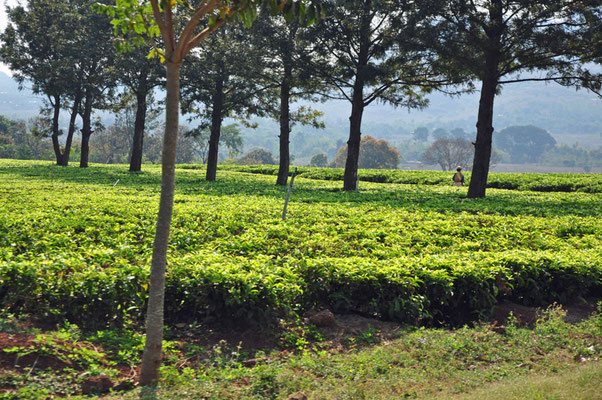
151 359
138 141
56 107
216 126
285 124
482 156
67 151
353 144
357 103
85 150
86 130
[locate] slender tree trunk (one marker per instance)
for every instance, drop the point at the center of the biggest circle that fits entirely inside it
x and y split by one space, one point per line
74 112
86 130
285 130
151 359
357 103
216 127
85 150
482 155
137 145
56 108
285 119
353 144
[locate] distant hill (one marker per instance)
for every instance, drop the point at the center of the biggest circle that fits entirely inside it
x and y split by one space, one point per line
562 111
15 103
555 108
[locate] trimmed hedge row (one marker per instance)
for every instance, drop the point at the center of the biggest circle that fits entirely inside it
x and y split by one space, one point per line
428 290
75 245
540 182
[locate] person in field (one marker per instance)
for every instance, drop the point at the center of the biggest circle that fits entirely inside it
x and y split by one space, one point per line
458 177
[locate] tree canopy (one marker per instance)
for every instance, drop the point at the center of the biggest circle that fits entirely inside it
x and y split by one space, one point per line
289 63
372 58
220 81
449 153
257 156
38 50
319 160
524 143
374 153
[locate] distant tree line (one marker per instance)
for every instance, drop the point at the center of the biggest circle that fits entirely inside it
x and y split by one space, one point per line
365 51
515 145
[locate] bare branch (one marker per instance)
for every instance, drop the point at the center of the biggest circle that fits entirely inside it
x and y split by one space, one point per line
188 31
202 35
169 41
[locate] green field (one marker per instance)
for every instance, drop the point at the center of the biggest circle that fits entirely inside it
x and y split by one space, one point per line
76 244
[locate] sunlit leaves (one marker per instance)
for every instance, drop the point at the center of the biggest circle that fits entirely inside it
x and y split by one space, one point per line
130 16
156 52
74 245
137 15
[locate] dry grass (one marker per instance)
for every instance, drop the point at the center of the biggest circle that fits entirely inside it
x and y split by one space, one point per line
581 383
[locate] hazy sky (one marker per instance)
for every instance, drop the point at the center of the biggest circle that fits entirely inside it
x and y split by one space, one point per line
3 67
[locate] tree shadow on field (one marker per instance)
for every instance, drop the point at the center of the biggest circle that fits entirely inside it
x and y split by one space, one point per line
442 199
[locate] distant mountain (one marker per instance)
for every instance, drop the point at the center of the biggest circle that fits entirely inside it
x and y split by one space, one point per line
23 104
15 103
562 111
555 108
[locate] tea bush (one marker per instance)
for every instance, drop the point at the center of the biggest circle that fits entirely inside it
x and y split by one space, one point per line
541 182
76 244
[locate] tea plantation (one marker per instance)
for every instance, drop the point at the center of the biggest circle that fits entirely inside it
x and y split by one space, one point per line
76 244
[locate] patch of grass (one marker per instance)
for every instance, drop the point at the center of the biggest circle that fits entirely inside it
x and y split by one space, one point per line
583 382
413 363
421 363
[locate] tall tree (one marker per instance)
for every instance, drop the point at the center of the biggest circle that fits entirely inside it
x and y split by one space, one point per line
372 59
218 82
499 42
38 51
93 45
65 50
288 65
200 20
140 75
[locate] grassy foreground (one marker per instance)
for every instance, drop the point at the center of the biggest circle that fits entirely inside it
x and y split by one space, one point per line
584 383
552 359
